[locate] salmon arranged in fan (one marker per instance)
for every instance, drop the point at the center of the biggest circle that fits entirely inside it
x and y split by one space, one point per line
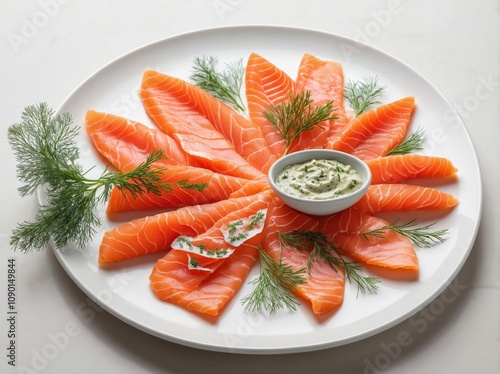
220 218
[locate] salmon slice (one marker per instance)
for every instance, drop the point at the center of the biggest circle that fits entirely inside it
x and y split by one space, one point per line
213 292
208 285
392 250
325 80
156 233
266 85
324 287
217 187
399 168
250 188
374 133
403 197
126 143
210 131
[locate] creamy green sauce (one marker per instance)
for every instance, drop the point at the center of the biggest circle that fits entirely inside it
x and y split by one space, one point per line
319 179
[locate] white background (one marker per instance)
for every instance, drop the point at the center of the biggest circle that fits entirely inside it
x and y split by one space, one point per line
48 47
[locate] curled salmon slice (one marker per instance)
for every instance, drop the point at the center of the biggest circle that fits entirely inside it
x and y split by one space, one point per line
171 281
208 284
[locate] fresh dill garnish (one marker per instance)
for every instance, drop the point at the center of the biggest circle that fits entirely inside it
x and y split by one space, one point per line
274 286
321 248
298 114
411 144
255 219
237 237
238 231
420 236
194 263
183 242
363 94
224 85
47 156
233 226
234 232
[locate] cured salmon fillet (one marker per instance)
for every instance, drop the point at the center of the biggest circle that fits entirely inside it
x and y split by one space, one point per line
208 285
392 250
212 294
399 168
126 143
324 287
325 80
250 188
209 143
266 85
211 132
217 187
374 133
156 233
403 197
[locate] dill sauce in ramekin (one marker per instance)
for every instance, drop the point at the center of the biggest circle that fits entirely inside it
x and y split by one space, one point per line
319 179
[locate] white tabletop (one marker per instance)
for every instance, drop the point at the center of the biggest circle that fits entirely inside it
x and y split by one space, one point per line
50 46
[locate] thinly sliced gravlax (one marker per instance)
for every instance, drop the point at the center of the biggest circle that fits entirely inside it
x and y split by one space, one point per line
403 197
399 168
201 274
324 79
324 287
374 133
349 231
250 188
213 293
211 187
266 85
156 233
211 132
126 143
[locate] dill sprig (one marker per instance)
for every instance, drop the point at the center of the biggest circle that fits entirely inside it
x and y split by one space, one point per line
414 142
322 248
274 286
420 236
47 155
298 114
363 94
224 85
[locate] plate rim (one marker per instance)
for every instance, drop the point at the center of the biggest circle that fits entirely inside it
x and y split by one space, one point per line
277 350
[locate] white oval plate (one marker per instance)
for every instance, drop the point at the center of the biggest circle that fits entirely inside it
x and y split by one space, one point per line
124 291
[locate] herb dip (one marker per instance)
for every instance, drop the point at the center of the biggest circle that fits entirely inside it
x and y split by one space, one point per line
319 179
